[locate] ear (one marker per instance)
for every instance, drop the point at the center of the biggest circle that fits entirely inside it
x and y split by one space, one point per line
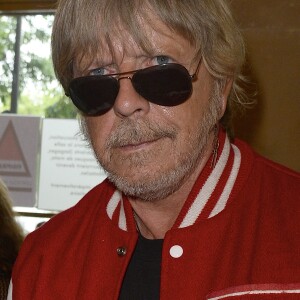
225 93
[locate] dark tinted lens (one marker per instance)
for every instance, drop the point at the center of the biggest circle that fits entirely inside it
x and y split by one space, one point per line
166 85
94 95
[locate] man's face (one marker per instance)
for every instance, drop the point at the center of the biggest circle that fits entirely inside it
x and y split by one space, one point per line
148 150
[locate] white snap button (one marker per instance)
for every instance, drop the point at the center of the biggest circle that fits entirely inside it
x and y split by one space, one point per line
176 251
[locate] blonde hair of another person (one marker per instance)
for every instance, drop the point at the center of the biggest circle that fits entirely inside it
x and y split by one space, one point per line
11 238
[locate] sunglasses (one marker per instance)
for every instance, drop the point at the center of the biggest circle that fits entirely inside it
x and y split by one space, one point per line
166 84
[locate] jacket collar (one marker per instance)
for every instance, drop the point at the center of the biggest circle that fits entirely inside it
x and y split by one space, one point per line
208 197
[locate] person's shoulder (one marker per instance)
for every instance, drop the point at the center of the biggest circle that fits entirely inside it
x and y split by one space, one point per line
267 181
65 230
271 192
267 167
277 171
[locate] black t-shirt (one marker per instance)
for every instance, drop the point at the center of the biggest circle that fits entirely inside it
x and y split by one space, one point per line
142 277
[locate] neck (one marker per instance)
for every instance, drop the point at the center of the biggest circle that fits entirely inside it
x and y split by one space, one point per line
155 218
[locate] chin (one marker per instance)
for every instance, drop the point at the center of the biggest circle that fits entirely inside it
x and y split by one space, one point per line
150 186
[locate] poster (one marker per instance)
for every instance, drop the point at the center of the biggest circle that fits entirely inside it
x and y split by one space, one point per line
68 168
20 138
45 163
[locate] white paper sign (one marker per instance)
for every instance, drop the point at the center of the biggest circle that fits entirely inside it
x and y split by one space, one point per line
19 156
68 168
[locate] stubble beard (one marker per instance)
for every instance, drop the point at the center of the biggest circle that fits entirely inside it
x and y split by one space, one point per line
159 185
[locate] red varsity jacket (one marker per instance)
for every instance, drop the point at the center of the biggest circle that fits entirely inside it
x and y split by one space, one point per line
237 237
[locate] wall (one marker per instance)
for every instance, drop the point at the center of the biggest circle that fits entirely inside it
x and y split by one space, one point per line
272 33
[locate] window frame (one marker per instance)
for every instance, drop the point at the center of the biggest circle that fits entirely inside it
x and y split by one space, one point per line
27 7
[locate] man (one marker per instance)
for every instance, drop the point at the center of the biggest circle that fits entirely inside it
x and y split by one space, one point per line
186 213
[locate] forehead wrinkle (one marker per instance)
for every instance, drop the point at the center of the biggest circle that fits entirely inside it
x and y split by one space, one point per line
115 40
158 36
125 47
133 31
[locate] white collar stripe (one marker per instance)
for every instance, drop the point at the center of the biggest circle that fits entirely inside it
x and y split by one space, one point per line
207 189
258 292
230 183
204 195
122 218
113 203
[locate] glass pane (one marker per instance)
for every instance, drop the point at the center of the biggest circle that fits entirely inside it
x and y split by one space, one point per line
39 93
7 38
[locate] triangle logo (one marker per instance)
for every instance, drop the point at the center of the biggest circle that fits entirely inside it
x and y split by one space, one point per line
12 160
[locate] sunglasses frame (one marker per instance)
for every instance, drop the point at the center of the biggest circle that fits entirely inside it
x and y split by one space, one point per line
122 75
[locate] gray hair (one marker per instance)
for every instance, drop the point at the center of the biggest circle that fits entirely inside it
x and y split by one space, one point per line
81 26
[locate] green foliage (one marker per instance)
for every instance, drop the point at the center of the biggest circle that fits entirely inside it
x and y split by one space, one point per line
62 107
39 91
37 32
7 37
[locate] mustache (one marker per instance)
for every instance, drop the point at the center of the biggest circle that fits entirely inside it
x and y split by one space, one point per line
130 132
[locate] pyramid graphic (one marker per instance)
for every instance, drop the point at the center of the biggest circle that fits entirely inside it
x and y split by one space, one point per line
12 160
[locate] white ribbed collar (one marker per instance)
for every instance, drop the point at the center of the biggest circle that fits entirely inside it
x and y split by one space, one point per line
204 194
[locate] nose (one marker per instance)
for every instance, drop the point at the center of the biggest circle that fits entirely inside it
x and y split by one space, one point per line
129 102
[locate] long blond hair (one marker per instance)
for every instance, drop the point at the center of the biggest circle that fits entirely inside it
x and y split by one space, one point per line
11 233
